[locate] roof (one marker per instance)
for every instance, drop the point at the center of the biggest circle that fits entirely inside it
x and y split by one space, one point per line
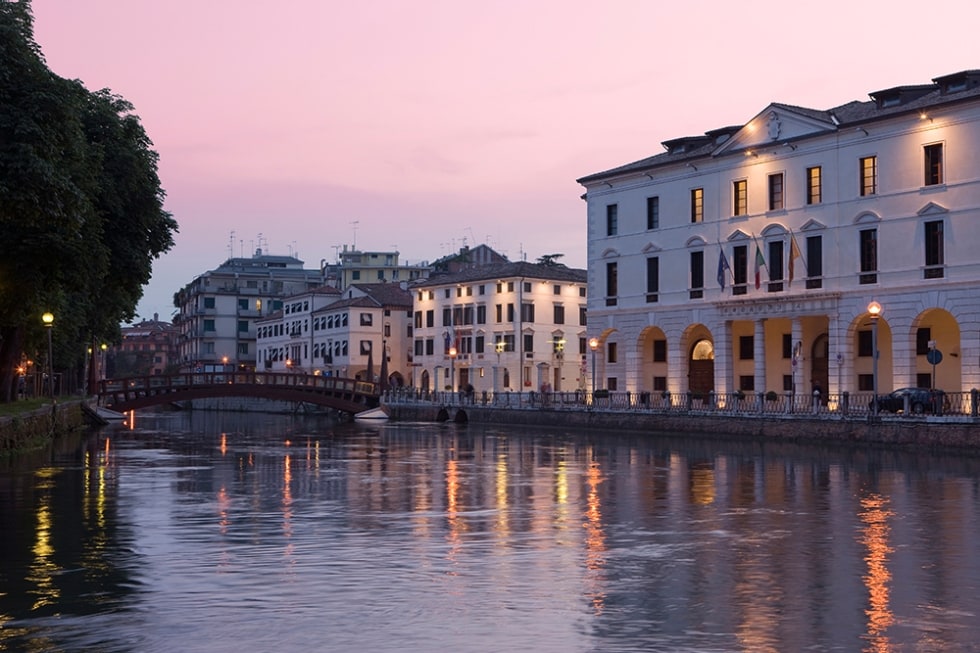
495 271
947 89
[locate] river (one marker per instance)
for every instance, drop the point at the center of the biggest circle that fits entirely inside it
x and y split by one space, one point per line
240 532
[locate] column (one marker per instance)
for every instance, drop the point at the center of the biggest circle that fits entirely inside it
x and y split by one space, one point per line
800 381
759 356
724 382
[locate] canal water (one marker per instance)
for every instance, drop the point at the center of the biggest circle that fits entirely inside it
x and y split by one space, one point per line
239 533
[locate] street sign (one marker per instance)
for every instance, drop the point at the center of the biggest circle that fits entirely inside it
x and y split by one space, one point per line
934 356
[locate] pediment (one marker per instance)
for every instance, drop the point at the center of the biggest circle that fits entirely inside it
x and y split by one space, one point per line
777 124
774 230
610 252
650 247
695 241
932 209
867 217
812 225
738 235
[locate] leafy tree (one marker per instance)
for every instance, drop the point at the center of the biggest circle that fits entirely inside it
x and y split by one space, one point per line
81 208
550 259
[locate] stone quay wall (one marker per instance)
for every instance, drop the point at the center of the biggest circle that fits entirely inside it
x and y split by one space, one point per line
919 433
38 428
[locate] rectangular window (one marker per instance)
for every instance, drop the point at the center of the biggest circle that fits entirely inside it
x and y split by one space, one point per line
243 349
787 345
612 283
935 258
697 205
740 269
865 345
528 342
776 191
611 352
788 382
697 275
209 302
481 314
527 286
660 383
209 325
922 337
556 289
866 382
510 312
775 266
934 164
243 326
659 351
559 314
478 344
814 185
447 316
746 348
740 197
653 279
582 316
430 318
243 304
612 219
653 213
527 312
869 256
814 261
499 309
869 175
746 383
367 319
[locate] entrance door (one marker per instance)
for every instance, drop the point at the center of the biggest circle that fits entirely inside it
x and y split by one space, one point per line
701 369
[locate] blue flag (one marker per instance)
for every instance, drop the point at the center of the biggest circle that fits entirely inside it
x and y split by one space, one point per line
722 268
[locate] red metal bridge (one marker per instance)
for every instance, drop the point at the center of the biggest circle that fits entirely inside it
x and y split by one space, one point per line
345 395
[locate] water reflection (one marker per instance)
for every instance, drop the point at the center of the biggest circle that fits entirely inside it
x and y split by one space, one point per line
204 532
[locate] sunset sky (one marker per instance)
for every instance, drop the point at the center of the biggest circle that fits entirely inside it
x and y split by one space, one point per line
420 126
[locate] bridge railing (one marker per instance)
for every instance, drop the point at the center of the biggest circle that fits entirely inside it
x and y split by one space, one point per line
278 379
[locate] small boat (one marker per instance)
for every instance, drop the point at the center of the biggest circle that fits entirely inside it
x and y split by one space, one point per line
372 415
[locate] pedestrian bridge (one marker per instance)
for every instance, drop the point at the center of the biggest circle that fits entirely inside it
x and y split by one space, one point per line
345 395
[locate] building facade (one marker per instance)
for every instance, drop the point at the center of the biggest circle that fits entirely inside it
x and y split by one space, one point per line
218 309
147 349
357 266
501 327
754 257
362 333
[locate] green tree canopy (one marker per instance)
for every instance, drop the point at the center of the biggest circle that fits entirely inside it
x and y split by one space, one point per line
81 207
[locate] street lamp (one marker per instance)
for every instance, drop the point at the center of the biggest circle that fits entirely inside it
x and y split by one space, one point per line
102 354
499 347
874 308
452 369
48 320
593 345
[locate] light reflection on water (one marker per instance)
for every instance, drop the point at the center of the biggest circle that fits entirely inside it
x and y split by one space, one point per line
259 533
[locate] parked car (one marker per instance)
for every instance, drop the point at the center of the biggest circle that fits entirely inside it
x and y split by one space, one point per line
920 400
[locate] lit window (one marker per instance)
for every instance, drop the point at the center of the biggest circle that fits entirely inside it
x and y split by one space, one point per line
740 195
697 205
934 164
869 175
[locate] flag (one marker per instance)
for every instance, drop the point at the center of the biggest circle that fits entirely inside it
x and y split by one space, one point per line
794 253
760 263
722 268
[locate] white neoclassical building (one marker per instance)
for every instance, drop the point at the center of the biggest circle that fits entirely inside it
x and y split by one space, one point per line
746 258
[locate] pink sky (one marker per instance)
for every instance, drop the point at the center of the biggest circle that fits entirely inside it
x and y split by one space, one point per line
434 124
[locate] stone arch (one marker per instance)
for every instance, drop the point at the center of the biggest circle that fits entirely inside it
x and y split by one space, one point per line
859 332
698 344
940 327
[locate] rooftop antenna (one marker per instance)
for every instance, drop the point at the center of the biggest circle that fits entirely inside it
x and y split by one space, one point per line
355 223
231 244
336 253
241 248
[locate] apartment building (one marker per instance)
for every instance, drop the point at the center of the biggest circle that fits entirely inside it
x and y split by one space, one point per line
498 327
218 309
781 254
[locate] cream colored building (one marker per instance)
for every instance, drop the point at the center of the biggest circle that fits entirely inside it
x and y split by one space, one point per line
501 327
746 258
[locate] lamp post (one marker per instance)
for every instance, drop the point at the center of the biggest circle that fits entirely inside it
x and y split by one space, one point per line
499 347
452 369
48 320
874 308
593 345
102 355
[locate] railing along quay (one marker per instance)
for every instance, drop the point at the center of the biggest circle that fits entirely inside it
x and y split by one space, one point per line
954 406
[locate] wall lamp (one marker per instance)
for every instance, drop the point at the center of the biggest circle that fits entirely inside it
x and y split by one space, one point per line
862 130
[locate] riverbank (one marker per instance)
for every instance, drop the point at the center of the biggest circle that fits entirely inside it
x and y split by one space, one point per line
36 429
919 432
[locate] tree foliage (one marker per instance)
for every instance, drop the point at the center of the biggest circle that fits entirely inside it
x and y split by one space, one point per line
81 207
